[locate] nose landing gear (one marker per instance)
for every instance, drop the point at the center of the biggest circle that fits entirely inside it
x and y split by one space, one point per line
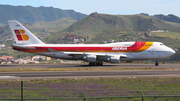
156 64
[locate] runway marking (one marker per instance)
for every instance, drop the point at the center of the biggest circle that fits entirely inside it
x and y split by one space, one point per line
8 77
22 74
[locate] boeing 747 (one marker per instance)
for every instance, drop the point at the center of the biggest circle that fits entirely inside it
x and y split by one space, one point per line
95 54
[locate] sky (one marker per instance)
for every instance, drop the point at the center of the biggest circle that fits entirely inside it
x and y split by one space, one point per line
115 7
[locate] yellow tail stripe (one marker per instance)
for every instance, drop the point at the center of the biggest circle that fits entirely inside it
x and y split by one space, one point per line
146 46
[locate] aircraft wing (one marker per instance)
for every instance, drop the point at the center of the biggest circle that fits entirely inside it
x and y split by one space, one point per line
97 56
92 57
74 53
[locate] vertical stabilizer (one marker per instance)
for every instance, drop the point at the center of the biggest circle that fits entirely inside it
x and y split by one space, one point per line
21 34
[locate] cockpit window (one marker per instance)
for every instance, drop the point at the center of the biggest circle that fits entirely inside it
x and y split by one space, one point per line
161 44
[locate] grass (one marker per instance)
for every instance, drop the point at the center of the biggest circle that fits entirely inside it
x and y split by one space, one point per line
95 87
172 35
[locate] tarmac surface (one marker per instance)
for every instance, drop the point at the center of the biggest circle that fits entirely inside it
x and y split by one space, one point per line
126 65
175 72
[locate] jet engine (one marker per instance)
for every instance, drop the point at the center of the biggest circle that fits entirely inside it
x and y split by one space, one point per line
114 59
90 58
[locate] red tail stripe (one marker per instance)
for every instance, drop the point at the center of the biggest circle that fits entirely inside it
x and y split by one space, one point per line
18 35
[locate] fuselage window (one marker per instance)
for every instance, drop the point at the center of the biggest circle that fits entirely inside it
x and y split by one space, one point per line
161 44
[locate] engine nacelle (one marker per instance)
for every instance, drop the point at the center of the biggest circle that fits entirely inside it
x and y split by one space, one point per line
90 58
113 59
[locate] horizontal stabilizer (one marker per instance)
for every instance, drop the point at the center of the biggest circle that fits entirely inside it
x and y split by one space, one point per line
23 47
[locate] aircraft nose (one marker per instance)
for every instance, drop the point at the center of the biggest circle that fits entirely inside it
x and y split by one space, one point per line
172 52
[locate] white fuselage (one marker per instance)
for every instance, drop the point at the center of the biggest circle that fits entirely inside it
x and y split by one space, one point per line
77 52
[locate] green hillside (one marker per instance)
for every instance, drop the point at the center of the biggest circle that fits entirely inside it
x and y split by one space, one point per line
37 28
53 26
29 14
169 17
64 22
103 27
5 32
95 23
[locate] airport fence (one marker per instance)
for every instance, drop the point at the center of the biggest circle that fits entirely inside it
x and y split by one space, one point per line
137 95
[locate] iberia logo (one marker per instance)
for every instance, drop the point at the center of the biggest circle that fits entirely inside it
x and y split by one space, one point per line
21 36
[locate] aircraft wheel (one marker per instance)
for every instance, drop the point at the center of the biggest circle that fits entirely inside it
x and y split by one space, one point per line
99 64
92 63
156 64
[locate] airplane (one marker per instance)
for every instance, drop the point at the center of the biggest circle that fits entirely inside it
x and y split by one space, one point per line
95 54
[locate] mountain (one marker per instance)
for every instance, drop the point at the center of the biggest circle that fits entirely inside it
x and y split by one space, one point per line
41 29
29 14
95 23
5 32
37 28
103 27
169 17
52 27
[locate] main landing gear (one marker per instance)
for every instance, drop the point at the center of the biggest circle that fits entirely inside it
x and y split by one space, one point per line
156 64
95 63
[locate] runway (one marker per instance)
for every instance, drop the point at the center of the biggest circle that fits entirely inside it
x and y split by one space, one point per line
9 66
89 74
